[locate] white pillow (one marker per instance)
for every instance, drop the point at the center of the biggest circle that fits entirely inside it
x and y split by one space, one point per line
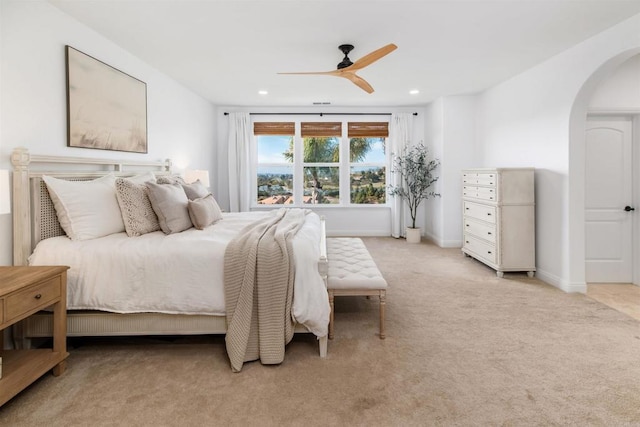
142 178
86 209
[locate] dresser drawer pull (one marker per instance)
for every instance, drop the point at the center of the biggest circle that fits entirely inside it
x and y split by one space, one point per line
488 252
38 296
488 213
489 233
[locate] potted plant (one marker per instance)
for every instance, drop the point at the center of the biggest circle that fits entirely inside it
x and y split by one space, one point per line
416 178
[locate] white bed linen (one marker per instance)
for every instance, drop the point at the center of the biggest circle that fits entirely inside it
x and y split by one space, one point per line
180 273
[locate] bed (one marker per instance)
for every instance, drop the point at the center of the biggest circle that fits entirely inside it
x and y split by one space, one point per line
121 285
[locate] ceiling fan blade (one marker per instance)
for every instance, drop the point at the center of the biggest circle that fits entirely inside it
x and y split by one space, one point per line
372 57
358 81
326 73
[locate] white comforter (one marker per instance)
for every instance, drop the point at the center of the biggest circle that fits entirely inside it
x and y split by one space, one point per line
179 273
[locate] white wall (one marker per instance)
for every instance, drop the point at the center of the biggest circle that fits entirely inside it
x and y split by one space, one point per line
534 120
341 221
620 92
181 124
450 132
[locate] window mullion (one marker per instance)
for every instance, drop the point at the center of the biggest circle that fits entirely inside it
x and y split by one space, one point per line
298 177
345 182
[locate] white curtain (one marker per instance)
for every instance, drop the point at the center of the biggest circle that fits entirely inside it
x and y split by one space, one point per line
240 161
400 131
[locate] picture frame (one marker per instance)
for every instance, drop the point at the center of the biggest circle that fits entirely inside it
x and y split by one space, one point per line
106 108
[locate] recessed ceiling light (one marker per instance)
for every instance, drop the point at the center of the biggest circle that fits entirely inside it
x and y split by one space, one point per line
263 92
414 91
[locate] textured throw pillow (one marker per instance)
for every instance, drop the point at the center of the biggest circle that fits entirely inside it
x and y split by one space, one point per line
195 190
86 209
137 213
204 211
170 204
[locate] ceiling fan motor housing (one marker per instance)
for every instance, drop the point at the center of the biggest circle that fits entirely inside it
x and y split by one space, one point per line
346 62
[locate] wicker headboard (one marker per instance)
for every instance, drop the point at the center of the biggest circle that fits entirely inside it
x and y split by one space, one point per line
34 217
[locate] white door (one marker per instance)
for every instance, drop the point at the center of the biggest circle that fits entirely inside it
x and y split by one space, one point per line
608 191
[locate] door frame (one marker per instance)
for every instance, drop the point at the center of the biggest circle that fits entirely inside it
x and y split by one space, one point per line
635 152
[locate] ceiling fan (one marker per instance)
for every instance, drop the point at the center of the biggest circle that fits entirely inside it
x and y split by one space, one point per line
347 69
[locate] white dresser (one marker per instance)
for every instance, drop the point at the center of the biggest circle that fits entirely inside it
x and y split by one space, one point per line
499 218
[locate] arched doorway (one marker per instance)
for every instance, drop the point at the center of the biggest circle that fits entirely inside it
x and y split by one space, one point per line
577 170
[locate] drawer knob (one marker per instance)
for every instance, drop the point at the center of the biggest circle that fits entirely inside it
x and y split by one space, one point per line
488 252
489 233
38 296
488 214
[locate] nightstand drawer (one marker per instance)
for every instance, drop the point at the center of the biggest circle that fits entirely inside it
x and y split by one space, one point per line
37 296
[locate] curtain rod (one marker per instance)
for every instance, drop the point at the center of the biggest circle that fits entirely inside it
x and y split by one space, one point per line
320 114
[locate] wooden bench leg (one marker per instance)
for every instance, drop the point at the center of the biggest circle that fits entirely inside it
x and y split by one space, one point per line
383 303
331 315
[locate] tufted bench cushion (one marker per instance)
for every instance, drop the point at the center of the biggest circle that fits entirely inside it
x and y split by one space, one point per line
352 272
351 265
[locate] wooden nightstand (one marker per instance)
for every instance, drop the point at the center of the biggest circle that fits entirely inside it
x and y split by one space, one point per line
24 291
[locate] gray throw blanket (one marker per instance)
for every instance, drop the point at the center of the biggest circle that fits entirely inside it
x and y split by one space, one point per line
258 280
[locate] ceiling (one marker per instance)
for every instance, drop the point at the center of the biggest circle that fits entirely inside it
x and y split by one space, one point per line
228 50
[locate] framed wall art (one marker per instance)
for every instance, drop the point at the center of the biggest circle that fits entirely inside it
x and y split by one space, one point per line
106 108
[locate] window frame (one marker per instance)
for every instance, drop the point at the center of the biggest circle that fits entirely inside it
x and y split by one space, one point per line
344 163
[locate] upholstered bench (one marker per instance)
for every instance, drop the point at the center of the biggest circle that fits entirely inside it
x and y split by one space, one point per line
352 272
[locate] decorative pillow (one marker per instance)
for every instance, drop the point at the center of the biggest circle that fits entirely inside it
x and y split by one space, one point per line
170 204
195 190
86 209
170 179
204 211
142 178
137 213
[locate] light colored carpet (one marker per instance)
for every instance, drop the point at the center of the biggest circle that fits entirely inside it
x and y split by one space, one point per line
463 347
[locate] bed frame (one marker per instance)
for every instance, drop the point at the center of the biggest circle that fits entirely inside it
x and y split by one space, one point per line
34 219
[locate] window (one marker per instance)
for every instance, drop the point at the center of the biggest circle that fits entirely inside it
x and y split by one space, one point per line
321 162
368 160
274 169
330 163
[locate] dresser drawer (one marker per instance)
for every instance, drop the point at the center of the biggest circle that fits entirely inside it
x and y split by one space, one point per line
32 298
481 193
483 250
481 212
488 179
484 231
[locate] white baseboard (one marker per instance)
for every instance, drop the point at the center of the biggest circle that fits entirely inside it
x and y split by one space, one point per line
561 284
358 233
443 243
